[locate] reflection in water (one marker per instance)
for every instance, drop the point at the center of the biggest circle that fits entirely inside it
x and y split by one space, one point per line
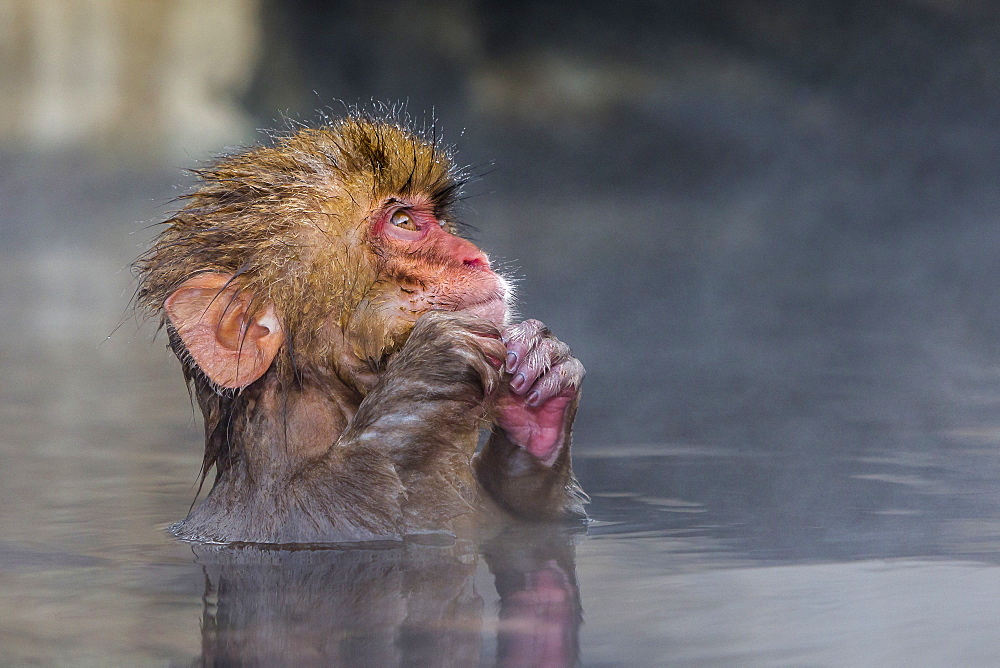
390 604
540 611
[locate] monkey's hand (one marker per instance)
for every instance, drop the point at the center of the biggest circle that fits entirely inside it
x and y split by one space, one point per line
431 394
425 413
545 380
526 465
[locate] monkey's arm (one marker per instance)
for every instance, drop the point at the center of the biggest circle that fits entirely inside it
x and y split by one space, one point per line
525 466
425 414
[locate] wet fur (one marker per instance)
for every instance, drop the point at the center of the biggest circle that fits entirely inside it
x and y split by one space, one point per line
360 429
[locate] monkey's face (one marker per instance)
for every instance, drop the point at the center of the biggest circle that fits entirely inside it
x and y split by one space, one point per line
421 265
431 268
320 252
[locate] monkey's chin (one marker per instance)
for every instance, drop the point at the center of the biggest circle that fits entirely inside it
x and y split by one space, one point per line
494 310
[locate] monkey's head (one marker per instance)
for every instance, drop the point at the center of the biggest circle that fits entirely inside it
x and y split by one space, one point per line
315 255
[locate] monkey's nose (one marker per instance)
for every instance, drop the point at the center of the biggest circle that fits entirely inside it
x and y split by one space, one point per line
478 262
466 253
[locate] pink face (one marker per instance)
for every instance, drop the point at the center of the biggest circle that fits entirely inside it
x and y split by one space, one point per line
435 269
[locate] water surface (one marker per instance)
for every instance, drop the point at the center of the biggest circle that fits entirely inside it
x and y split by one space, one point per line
696 554
827 496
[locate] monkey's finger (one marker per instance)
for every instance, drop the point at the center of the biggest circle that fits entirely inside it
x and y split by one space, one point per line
475 339
484 342
487 337
563 379
481 353
484 328
493 349
520 339
441 321
537 363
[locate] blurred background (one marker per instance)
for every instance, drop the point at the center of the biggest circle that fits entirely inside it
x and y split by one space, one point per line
722 206
769 230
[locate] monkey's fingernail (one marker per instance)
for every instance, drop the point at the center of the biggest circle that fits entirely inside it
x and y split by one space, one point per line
511 361
517 382
532 398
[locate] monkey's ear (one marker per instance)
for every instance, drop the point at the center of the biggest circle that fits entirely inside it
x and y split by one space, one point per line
232 346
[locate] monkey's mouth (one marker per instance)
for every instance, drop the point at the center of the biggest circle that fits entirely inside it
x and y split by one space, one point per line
493 309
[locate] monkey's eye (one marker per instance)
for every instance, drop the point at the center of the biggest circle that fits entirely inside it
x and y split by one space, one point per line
404 220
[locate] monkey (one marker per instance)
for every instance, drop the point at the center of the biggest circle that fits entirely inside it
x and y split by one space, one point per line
347 345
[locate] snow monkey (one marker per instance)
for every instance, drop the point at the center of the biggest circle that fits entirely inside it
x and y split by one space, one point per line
346 346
